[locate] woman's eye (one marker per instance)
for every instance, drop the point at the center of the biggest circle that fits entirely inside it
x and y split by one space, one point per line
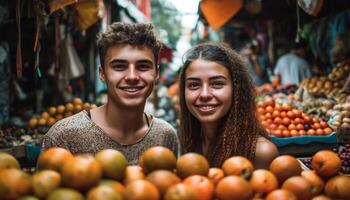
217 84
192 86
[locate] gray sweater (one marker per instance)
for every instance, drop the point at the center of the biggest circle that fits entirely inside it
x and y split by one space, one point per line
79 134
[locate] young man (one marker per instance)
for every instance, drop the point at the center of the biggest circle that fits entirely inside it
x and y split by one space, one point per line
292 68
129 67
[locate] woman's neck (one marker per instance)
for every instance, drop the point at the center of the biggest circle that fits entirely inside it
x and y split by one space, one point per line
209 132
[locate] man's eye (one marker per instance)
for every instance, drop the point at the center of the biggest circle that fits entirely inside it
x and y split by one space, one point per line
118 67
144 67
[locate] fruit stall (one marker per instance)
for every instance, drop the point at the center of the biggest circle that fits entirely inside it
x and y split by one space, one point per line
24 142
301 120
160 175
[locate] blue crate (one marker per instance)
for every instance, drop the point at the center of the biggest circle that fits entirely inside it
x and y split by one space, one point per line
32 152
305 139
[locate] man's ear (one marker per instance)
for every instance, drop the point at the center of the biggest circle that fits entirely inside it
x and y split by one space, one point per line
101 74
157 75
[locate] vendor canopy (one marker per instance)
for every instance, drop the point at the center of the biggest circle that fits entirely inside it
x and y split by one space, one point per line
218 12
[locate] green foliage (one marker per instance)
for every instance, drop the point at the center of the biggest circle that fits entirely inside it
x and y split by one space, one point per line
167 20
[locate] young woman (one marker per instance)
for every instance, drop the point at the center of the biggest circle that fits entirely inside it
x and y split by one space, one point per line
218 111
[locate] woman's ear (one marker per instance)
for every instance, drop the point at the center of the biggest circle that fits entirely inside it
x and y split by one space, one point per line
101 74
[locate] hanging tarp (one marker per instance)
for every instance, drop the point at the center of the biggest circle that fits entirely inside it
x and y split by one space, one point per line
218 12
89 12
58 4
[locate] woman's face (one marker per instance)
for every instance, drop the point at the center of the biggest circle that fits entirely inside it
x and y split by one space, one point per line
208 90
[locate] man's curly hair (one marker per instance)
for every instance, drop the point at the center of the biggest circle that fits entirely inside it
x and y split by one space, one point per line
134 34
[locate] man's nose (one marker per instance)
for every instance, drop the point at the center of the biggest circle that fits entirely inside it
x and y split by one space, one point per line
132 74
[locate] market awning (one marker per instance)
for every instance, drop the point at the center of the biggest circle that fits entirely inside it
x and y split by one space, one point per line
218 12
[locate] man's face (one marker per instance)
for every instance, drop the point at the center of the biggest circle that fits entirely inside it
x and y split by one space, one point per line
130 73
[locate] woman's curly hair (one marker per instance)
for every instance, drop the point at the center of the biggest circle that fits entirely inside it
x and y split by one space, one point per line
239 129
134 34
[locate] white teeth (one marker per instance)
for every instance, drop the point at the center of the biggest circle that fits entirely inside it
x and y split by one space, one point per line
207 107
130 89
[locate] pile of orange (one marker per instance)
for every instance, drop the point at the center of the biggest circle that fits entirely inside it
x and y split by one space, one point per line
107 175
282 120
55 113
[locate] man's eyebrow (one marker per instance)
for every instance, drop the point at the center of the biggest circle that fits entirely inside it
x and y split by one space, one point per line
126 61
145 61
118 61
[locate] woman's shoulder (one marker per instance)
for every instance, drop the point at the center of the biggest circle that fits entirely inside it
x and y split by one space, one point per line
265 152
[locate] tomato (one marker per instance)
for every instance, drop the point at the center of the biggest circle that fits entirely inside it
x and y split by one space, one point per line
298 121
327 131
302 132
291 127
281 127
311 132
294 133
319 131
269 109
277 120
283 114
276 113
286 121
278 133
323 124
300 127
290 114
286 107
297 113
286 133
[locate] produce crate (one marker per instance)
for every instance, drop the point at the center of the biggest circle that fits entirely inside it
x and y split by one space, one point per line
17 151
303 146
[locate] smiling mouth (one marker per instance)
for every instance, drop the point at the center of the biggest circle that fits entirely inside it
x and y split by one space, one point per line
206 108
132 89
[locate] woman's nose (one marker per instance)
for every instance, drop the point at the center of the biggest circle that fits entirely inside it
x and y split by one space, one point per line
205 93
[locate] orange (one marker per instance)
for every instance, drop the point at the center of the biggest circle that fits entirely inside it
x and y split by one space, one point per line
180 191
81 173
234 188
202 185
215 175
141 190
163 179
8 161
14 183
157 157
192 164
238 165
103 192
53 158
285 166
113 163
326 163
44 182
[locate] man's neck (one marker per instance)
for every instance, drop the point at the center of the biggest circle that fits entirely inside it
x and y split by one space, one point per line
125 120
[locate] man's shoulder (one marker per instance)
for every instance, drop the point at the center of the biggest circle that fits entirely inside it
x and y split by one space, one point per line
69 124
160 125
